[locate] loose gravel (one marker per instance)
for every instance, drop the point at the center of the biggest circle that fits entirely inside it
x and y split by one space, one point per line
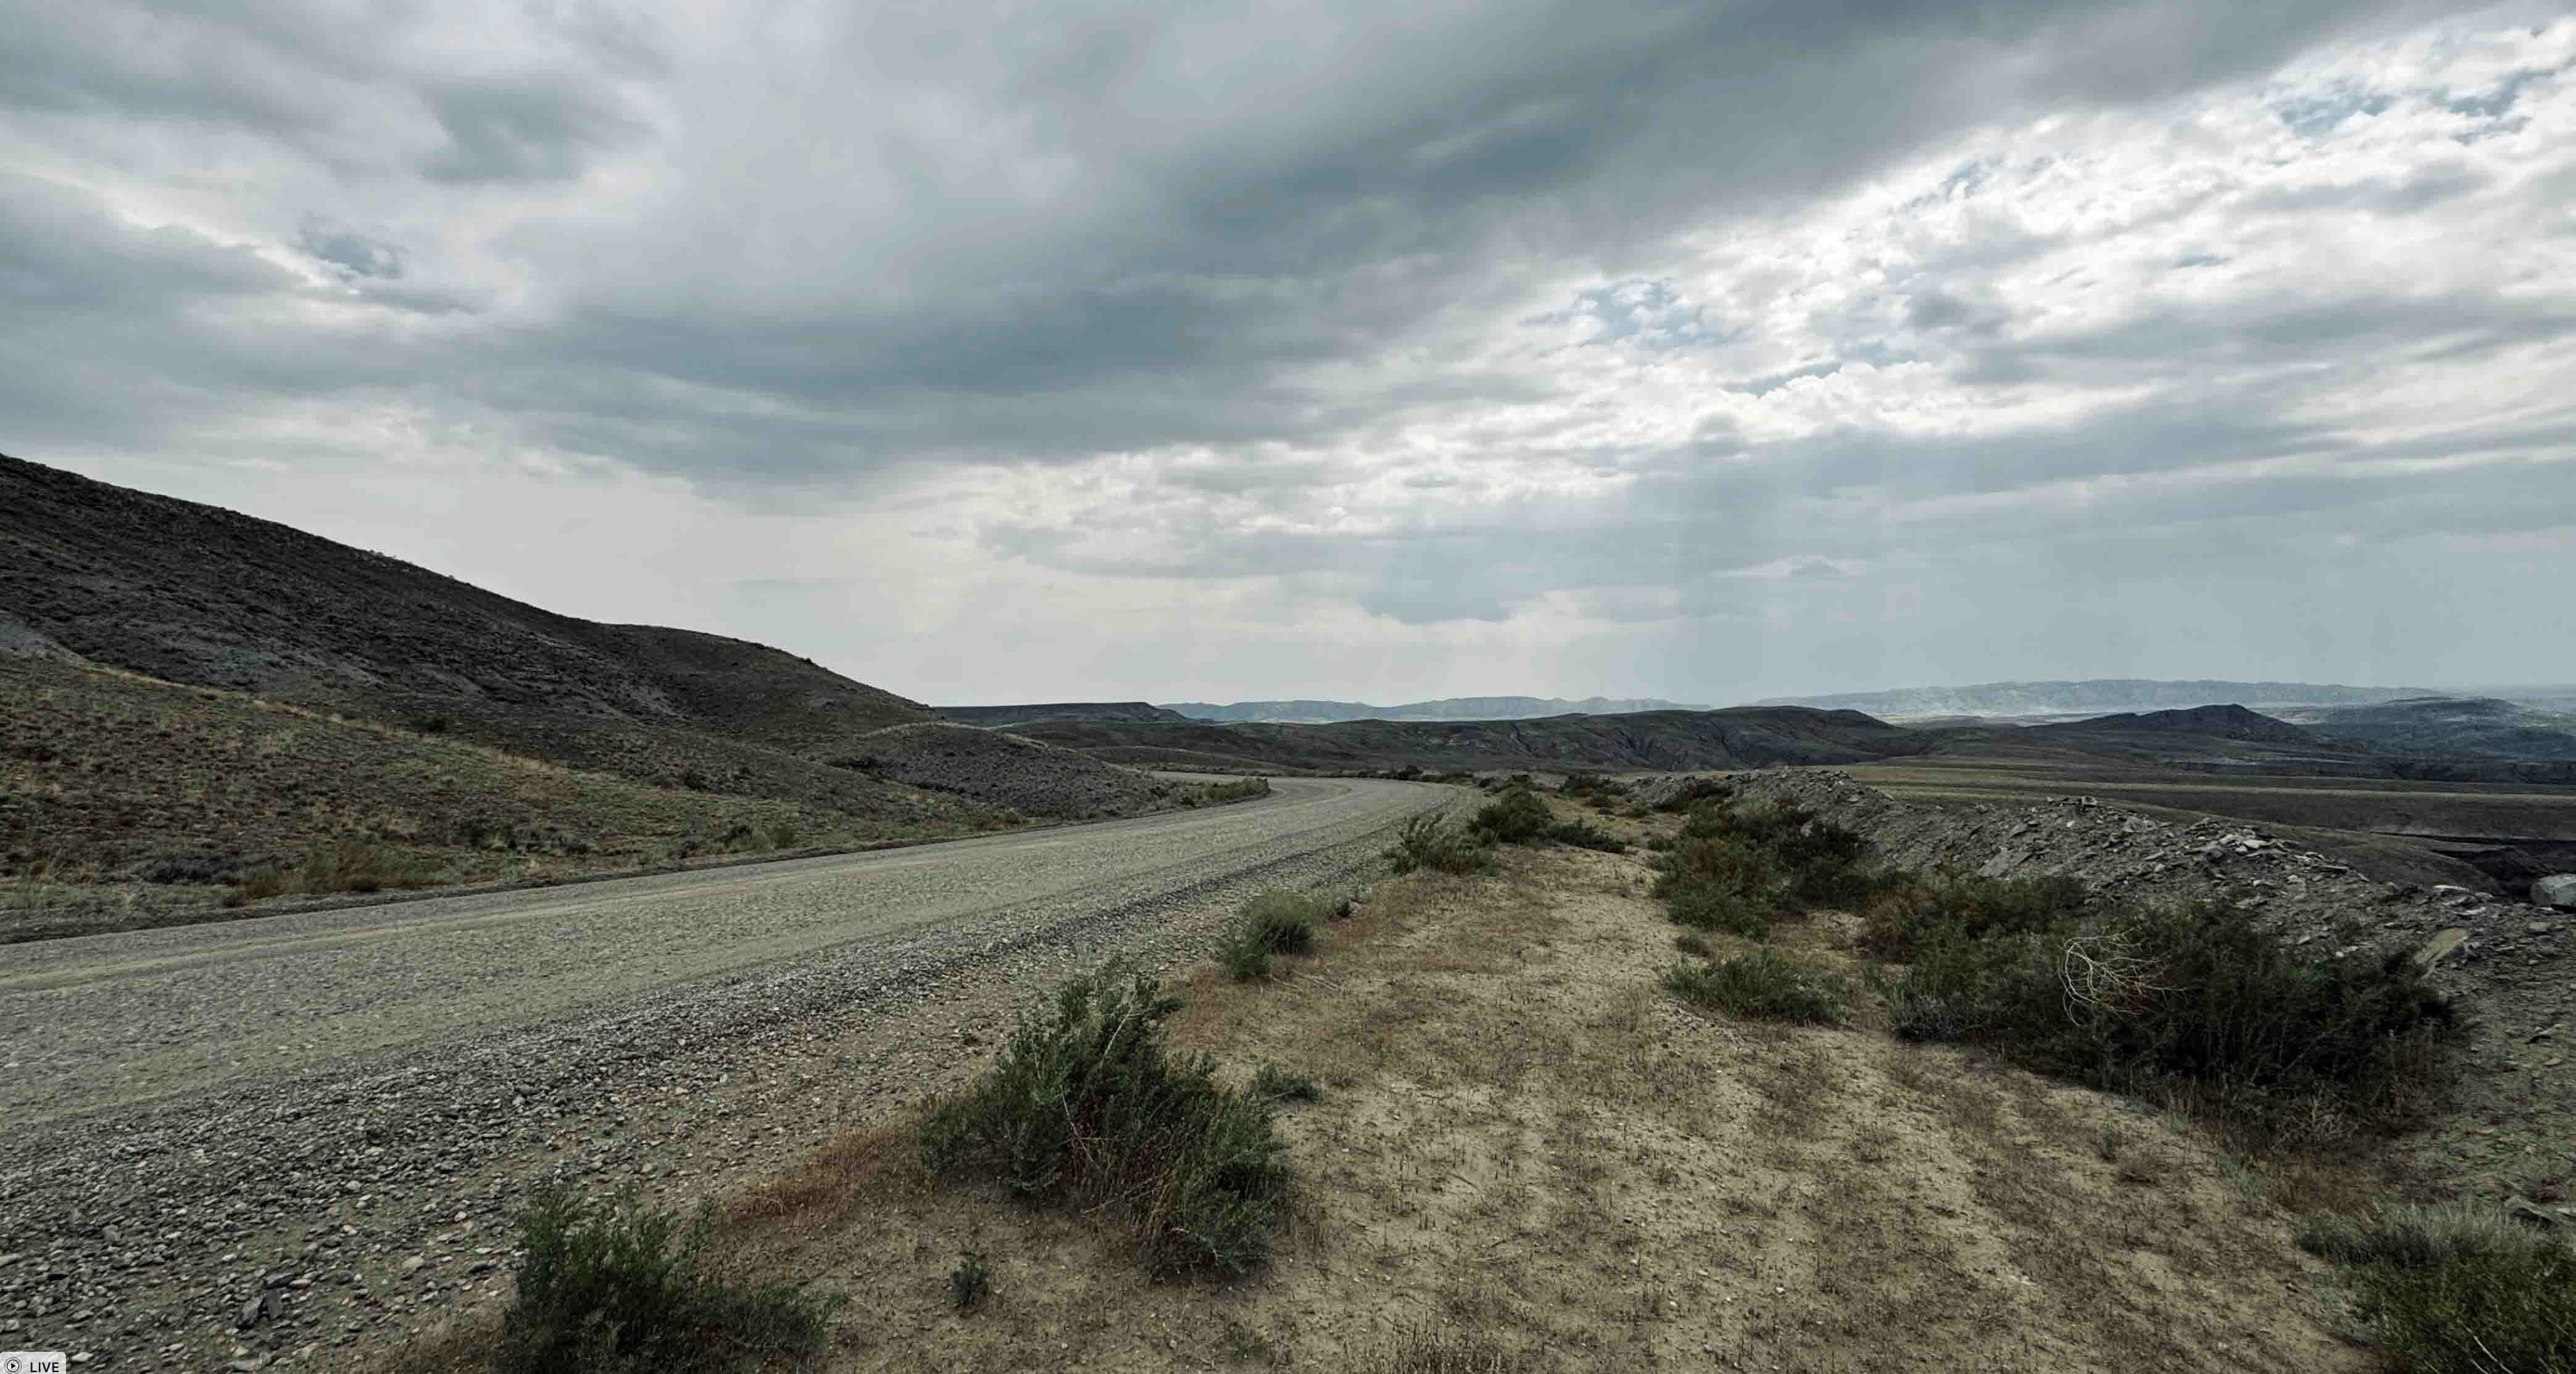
285 1143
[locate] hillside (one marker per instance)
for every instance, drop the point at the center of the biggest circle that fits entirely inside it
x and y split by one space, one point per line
2474 725
150 641
1746 737
204 596
2091 696
1447 708
2218 722
128 801
991 716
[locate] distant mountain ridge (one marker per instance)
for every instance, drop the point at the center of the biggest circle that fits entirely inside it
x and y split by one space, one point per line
1446 708
1742 737
994 716
2106 695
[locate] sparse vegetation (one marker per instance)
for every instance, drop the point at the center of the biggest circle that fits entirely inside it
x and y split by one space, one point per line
1908 912
1279 1085
2193 998
1086 1105
627 1287
1516 816
1447 1352
1273 922
1765 984
1219 793
1696 792
1737 871
1586 835
2456 1290
352 863
1428 841
970 1283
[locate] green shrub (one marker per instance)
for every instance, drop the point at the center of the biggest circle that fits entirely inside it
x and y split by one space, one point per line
2131 997
1243 789
629 1288
352 863
1694 792
969 1283
1086 1105
1586 835
1283 921
1690 942
1893 925
1427 841
1517 816
1707 905
1273 922
2450 1290
1765 984
1740 870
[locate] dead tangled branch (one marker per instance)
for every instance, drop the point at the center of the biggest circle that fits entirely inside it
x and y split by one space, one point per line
2103 972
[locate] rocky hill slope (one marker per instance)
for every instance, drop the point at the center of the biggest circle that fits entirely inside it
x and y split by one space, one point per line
97 580
1006 769
992 716
2512 1115
1662 740
208 597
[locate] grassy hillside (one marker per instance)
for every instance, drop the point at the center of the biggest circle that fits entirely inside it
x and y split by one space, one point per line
124 800
1740 738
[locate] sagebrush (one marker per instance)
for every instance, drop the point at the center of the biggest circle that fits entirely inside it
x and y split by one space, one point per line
1431 842
2192 997
1764 984
2455 1289
1087 1106
628 1287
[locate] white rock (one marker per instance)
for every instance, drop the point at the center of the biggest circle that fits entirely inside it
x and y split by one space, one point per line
2558 890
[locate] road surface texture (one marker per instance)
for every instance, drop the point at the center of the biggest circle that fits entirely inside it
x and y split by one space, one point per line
338 1109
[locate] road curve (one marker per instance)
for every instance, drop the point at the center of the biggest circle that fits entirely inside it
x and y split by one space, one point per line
145 1017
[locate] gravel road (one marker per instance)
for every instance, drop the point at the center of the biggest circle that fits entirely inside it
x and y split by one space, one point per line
336 1109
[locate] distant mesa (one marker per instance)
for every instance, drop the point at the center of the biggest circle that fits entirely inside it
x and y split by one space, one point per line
1446 708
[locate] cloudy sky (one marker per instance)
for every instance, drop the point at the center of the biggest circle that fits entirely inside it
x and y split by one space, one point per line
991 351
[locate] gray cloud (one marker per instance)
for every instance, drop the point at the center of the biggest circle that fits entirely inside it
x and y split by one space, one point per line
351 252
1437 316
